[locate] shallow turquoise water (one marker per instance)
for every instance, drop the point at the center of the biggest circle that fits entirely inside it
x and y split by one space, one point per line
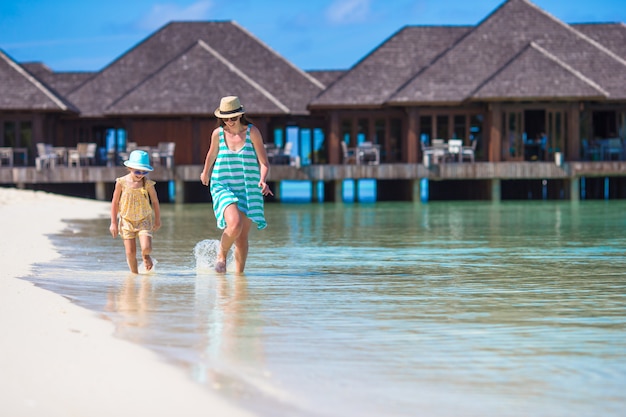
394 309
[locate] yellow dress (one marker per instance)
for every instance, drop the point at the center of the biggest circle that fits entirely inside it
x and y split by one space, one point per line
135 211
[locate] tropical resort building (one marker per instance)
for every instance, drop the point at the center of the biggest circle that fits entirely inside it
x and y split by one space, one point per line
519 106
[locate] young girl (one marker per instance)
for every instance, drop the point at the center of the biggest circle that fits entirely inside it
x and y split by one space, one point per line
134 200
238 167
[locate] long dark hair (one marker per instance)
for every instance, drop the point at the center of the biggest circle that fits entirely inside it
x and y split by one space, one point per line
243 120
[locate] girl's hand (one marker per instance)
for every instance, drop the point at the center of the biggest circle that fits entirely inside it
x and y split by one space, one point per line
113 230
265 189
157 225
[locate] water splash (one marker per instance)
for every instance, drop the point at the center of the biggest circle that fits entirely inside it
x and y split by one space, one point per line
142 267
205 253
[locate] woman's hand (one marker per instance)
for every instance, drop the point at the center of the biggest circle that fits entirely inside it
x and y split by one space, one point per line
204 178
265 189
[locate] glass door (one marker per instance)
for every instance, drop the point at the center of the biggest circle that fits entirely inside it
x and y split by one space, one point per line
513 135
556 121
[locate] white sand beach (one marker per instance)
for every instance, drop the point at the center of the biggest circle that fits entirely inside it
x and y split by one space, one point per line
58 359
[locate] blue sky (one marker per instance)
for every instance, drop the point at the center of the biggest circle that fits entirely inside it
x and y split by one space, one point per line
71 35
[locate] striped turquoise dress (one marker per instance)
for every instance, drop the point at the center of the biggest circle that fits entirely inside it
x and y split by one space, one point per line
235 180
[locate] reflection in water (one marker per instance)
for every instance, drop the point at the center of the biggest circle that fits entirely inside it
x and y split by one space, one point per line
472 309
230 338
132 302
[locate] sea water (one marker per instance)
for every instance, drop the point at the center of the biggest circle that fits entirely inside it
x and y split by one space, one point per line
386 309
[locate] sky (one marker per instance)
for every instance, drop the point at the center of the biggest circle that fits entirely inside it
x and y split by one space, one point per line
87 35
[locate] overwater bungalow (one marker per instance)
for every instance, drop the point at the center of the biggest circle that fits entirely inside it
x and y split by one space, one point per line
521 105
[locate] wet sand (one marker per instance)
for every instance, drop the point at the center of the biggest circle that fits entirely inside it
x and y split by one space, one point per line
58 359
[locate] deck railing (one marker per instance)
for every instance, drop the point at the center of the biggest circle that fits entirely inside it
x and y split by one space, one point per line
460 171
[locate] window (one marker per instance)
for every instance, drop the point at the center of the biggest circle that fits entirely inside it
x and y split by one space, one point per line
346 131
362 133
278 137
10 134
319 146
442 127
459 127
306 145
395 133
26 134
426 129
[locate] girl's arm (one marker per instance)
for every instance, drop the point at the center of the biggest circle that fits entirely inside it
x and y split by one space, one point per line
115 205
264 164
211 155
154 199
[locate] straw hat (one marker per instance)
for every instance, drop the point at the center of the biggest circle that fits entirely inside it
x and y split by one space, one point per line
139 160
229 107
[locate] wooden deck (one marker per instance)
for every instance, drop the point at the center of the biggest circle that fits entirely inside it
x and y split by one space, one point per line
458 171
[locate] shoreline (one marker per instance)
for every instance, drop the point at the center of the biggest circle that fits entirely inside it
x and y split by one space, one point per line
59 359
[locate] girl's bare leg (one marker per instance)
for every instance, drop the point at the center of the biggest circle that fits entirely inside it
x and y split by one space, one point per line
234 225
146 249
131 254
241 246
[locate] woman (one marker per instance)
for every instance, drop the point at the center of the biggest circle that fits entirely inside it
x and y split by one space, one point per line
239 169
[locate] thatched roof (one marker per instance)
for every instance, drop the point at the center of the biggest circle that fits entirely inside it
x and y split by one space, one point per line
498 40
62 82
192 65
518 52
381 73
326 77
611 35
20 90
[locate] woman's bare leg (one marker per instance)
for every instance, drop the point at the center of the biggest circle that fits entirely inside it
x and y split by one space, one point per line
131 254
234 224
241 245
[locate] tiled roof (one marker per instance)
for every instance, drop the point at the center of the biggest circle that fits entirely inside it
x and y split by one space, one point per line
20 90
62 82
492 44
326 77
235 51
173 91
377 76
611 35
519 78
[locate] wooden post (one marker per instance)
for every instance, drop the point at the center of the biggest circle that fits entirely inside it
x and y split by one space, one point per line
338 191
334 149
572 147
179 194
413 148
101 191
314 197
496 193
416 190
574 189
493 130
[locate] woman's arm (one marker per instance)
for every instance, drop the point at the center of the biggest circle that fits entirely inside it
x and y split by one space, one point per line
211 155
264 164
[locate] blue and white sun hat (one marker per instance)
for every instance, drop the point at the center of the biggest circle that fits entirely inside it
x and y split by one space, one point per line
139 160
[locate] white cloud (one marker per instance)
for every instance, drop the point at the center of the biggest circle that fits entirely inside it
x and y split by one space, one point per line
348 11
161 14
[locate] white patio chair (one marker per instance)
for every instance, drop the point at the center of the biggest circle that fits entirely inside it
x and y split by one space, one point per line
469 151
6 154
164 152
455 149
46 157
440 150
349 154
